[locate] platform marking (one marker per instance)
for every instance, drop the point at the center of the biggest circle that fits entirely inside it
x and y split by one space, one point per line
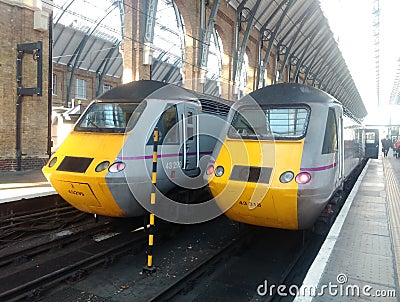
25 193
393 206
318 266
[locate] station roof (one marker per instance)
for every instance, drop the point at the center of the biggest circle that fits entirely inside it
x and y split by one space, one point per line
298 30
301 29
89 38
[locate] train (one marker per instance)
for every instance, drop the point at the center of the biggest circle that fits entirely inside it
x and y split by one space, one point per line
286 151
104 166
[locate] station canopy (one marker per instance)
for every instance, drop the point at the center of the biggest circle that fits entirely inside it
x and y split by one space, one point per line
298 30
300 33
88 33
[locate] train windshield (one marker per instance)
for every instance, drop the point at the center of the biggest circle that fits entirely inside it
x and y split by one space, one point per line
110 117
285 123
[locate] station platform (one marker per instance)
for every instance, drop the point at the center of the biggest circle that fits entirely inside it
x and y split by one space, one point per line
360 258
17 185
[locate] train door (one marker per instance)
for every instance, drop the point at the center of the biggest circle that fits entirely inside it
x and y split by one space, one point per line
340 149
190 139
333 142
371 143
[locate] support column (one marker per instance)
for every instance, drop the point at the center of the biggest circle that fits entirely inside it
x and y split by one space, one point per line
191 71
132 48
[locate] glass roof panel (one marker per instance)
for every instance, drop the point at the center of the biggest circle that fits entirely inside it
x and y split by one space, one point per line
168 35
100 16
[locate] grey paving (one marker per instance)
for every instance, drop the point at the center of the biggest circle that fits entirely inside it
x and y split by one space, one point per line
361 265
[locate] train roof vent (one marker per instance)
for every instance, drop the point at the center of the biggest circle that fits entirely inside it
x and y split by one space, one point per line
213 107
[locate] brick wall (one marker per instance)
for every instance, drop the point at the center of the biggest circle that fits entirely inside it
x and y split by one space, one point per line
16 25
60 95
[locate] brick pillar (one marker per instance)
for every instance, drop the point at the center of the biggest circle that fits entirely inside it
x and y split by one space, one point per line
191 73
132 48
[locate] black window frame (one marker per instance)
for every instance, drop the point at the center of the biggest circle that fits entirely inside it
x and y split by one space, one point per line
161 127
329 145
141 106
271 135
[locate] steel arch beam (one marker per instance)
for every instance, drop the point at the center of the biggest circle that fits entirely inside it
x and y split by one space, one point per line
304 52
275 30
206 37
331 58
307 13
239 54
261 39
97 55
103 68
74 61
64 9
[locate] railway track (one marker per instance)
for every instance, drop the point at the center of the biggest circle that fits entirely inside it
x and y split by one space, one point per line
28 218
237 268
234 272
26 250
32 281
250 269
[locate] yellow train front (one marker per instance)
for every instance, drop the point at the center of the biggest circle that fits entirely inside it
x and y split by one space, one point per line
287 149
87 170
104 166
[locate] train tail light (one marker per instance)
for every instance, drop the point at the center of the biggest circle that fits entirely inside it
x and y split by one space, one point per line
303 178
117 167
210 170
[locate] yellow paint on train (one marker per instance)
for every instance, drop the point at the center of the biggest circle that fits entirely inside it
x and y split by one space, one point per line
87 191
273 204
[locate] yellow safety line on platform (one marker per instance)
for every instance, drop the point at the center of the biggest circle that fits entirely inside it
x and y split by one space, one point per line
393 202
23 185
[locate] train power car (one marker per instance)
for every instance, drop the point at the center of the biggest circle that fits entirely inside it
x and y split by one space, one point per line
287 150
104 165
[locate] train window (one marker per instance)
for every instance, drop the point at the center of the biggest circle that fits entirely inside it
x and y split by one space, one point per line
110 117
370 137
277 122
288 122
249 123
330 139
168 127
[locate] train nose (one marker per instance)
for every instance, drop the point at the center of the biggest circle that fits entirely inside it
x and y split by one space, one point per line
81 182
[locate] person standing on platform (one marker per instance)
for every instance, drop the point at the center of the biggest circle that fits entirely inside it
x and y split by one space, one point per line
396 148
386 145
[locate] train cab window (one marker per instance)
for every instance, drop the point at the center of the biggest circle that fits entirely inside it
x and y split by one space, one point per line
110 117
167 127
249 123
330 139
288 123
284 123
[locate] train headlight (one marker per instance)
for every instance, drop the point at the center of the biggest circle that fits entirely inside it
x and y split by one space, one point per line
219 171
52 162
303 178
102 166
286 177
117 167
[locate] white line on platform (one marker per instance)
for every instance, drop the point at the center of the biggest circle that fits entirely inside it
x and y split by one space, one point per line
318 266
